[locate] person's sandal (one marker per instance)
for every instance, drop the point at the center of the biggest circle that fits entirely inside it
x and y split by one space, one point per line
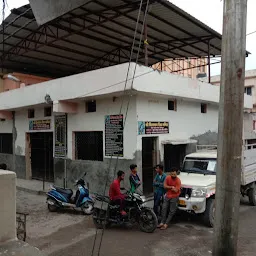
160 225
164 227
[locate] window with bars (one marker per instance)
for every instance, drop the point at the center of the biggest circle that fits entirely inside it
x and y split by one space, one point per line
5 143
89 146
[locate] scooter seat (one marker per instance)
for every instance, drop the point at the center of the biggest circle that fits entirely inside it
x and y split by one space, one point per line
68 192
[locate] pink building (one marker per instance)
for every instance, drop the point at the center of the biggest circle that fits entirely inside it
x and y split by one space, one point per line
22 80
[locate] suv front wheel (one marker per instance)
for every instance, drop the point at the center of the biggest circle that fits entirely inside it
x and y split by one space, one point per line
209 214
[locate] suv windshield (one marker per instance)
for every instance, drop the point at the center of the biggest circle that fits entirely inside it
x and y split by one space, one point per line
199 165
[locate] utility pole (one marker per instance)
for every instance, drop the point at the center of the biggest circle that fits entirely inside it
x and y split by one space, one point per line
230 128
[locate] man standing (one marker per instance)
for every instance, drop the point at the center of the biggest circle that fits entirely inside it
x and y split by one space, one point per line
115 194
134 178
172 184
158 185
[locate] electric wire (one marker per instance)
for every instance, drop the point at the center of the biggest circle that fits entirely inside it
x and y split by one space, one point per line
3 33
126 80
128 104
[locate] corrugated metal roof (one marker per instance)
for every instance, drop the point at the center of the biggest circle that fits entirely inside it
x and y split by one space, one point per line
100 34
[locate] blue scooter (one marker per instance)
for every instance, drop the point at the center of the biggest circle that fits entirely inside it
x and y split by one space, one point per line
62 198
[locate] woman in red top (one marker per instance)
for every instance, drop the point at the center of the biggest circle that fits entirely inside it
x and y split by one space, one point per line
172 185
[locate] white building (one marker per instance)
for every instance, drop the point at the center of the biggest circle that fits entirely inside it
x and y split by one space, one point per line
250 115
175 112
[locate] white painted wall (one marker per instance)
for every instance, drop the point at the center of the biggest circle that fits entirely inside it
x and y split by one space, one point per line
81 121
97 82
96 122
8 206
183 123
164 83
111 80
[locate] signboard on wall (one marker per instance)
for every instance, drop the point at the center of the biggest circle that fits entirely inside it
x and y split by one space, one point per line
39 125
60 136
114 135
148 127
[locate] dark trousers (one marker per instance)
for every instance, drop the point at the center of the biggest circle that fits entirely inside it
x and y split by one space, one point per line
119 200
171 205
157 200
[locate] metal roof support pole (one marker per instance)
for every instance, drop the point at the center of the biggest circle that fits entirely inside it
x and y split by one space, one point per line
231 108
209 63
146 41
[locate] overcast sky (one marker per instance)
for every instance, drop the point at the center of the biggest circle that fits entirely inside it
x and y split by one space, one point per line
208 11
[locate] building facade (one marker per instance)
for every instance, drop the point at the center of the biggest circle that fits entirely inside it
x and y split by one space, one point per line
250 115
158 118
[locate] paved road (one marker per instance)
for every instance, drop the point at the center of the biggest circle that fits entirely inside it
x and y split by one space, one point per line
76 235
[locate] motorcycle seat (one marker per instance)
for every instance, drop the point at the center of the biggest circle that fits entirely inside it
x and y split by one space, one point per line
114 206
67 191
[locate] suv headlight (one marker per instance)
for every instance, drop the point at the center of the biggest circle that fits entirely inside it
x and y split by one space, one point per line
198 192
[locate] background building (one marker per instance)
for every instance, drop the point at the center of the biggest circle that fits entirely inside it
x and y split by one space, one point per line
162 117
250 116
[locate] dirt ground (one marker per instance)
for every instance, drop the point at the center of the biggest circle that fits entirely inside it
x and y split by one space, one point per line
72 234
40 221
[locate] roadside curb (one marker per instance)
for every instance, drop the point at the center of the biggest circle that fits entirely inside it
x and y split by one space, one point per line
31 191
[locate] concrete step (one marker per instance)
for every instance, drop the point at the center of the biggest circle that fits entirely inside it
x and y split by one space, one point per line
33 186
31 191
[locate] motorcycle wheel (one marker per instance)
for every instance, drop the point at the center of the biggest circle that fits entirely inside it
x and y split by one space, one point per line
52 208
148 221
98 215
87 208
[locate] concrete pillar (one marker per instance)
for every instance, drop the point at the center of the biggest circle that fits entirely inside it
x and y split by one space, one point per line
9 245
8 206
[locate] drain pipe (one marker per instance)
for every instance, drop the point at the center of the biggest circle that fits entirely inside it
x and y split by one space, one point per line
14 130
66 152
14 137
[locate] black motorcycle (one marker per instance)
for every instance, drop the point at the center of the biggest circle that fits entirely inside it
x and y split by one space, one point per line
107 213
